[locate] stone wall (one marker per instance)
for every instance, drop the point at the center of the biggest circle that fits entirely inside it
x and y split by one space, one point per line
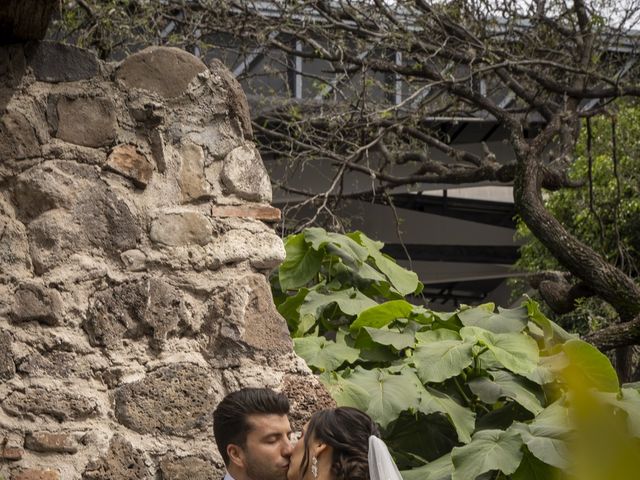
134 243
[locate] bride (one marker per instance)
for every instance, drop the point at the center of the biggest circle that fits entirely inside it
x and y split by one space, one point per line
341 444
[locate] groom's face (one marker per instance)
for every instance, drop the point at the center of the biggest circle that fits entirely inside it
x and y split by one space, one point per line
268 447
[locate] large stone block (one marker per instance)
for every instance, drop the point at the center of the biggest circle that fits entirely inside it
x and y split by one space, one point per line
36 474
129 162
244 317
58 403
163 70
53 238
57 62
306 395
217 138
61 364
181 228
262 247
244 174
18 136
148 307
120 462
177 400
34 302
7 365
188 468
88 121
191 178
48 442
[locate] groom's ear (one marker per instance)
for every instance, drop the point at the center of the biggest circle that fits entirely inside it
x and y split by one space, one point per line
236 455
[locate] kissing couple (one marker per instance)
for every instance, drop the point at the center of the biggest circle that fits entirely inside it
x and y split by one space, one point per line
252 431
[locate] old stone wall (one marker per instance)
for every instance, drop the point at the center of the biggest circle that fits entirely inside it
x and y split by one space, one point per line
134 240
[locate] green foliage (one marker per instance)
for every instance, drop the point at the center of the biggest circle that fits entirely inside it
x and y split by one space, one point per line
477 393
604 213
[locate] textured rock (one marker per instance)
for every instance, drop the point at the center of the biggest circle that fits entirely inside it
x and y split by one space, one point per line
129 162
156 140
177 400
181 228
37 474
246 318
34 302
11 454
265 213
12 64
191 178
244 174
7 365
149 307
134 260
306 395
88 121
18 137
57 403
218 139
14 247
263 248
57 62
53 237
121 462
61 364
163 70
188 468
50 442
236 99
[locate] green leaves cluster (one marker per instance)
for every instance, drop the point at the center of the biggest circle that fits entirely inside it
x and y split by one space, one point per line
476 393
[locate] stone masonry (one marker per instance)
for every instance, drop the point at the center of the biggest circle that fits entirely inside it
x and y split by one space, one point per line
134 244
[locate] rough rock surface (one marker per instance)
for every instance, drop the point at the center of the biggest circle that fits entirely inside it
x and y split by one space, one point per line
134 249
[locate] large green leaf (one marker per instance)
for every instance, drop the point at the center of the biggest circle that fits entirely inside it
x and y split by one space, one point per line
554 334
324 354
440 469
589 368
504 321
350 302
380 336
546 435
289 309
436 361
349 250
404 281
488 450
345 392
390 393
629 402
533 469
515 351
505 384
301 264
463 419
380 315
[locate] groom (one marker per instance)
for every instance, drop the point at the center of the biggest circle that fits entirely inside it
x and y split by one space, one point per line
252 432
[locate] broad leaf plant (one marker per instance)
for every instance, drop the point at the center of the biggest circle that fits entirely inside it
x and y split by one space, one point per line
482 392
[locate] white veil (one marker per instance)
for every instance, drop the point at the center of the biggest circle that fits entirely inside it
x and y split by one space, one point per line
381 465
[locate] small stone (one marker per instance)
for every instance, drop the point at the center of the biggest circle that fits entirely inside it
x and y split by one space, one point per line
181 228
164 70
244 174
7 365
34 302
57 62
37 474
60 404
134 260
175 400
192 180
121 462
219 139
188 468
263 249
14 247
129 162
265 213
11 454
156 140
88 121
47 442
18 137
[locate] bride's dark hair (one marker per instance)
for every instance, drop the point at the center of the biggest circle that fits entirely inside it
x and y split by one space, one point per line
347 431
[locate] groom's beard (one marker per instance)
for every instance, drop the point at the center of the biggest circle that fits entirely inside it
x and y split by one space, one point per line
260 470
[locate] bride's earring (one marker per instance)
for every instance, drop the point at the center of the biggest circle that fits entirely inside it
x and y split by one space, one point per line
314 467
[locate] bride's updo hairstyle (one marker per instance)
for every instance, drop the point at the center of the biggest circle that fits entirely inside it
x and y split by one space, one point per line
347 431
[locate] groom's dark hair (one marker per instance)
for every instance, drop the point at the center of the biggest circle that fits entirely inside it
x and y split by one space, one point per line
230 425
